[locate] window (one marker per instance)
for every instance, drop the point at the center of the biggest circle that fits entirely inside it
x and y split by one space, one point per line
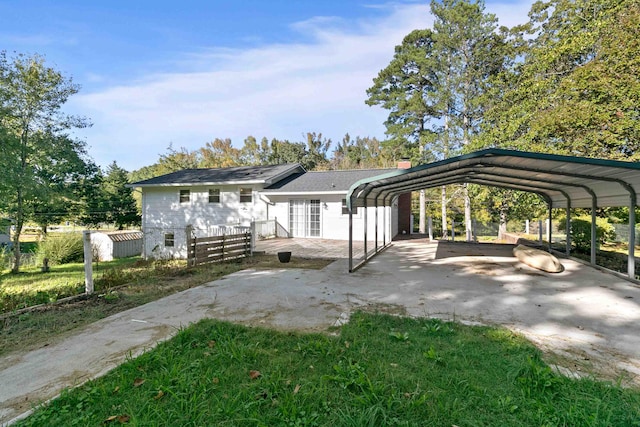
345 209
168 240
214 195
246 195
185 195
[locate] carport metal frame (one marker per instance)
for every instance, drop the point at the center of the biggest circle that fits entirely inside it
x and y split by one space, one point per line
562 181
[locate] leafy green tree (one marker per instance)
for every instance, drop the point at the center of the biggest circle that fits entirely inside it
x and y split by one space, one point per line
118 199
316 152
254 153
359 153
575 91
406 88
92 210
32 96
219 153
434 84
287 152
57 176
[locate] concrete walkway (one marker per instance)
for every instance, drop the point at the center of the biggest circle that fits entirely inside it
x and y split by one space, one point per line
587 316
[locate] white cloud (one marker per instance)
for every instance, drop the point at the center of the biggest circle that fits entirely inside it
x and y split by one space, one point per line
279 90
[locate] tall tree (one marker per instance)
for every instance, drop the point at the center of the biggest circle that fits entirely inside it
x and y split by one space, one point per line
287 152
435 81
406 88
54 198
32 96
359 153
119 203
254 153
575 88
219 153
316 155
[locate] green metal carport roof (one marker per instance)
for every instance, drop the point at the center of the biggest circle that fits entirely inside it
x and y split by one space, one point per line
563 181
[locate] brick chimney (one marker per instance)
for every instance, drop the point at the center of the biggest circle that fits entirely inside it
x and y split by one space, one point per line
404 164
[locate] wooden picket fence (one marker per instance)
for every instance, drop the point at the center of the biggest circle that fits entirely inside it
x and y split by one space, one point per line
205 250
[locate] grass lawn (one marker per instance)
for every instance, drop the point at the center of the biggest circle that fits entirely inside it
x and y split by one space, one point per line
119 285
377 370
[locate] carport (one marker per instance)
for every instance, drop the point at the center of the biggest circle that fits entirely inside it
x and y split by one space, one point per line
562 181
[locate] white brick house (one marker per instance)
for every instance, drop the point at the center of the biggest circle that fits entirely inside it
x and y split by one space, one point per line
305 204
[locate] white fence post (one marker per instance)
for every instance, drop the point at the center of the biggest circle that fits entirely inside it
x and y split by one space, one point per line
430 222
540 230
88 262
453 231
253 235
526 227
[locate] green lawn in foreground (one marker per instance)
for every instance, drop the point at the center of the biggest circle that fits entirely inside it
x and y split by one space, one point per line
379 371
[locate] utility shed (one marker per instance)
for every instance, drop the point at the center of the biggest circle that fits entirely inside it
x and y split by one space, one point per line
116 244
562 181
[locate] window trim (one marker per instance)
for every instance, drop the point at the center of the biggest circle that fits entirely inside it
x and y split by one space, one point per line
345 210
250 195
218 195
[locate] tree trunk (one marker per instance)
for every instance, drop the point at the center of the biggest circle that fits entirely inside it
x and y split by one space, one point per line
502 229
16 243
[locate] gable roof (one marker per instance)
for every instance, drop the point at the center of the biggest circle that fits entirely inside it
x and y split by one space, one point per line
336 181
266 175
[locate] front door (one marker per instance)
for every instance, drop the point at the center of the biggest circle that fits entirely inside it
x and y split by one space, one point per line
304 218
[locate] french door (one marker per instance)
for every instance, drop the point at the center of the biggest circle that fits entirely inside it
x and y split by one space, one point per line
304 218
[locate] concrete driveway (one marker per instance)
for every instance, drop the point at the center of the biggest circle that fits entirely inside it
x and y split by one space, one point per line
588 317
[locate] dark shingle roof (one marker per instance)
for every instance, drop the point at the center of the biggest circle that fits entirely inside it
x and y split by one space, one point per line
241 174
326 181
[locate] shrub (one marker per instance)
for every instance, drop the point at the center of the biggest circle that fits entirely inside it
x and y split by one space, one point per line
581 232
62 249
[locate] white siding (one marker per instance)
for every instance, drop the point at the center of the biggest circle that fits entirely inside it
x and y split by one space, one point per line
163 213
335 225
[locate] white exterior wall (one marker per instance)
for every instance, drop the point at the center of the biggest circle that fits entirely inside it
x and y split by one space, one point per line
163 213
335 225
102 246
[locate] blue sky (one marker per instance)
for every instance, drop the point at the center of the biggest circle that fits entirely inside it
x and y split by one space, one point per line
155 73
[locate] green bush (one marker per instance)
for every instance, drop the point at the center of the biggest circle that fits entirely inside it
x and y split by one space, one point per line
581 232
6 258
61 249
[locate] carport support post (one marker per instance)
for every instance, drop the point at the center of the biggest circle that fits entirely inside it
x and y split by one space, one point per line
550 222
350 238
366 224
384 221
376 230
631 260
430 228
594 207
568 227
